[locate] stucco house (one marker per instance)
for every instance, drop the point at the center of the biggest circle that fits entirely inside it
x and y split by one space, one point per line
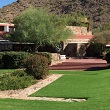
5 28
6 45
76 45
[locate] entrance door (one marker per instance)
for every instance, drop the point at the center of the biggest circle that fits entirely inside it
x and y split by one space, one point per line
71 50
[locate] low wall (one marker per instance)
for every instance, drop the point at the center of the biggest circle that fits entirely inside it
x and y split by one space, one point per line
56 58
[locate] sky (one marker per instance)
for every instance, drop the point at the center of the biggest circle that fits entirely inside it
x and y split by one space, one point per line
6 2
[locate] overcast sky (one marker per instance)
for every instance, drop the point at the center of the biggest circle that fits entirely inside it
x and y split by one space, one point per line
6 2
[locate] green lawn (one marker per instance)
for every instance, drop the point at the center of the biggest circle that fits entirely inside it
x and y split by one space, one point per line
78 86
93 85
5 71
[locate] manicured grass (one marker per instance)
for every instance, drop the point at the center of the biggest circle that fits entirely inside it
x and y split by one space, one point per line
86 85
94 85
71 72
5 71
12 104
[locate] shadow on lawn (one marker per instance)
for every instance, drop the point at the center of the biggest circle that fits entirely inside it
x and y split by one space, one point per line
98 68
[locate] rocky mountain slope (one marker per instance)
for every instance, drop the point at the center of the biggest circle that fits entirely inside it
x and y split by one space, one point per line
97 11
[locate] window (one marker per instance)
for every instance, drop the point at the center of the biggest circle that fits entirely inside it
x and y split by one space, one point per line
1 28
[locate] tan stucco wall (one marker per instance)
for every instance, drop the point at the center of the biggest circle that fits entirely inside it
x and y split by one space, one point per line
79 30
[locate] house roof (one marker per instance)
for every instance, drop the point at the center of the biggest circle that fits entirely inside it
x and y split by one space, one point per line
80 39
83 36
6 24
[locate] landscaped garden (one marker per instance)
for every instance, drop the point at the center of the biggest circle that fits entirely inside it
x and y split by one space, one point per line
21 69
91 85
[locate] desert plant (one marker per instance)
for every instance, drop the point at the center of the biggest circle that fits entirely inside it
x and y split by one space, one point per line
37 65
96 50
47 55
39 27
17 80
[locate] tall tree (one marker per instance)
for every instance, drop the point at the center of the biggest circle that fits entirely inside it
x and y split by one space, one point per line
39 27
101 39
102 34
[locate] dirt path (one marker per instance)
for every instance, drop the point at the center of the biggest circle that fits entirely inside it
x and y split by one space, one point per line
24 93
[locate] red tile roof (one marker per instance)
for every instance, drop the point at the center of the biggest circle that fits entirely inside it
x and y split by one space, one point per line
83 36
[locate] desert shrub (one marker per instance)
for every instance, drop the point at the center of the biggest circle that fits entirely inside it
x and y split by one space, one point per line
12 60
95 50
47 55
107 57
16 80
37 65
19 73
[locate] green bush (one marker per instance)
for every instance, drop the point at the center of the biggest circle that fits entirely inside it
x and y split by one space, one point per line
1 62
107 57
95 50
47 55
19 73
16 80
37 65
12 60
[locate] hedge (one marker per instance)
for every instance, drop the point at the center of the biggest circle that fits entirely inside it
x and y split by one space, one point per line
12 60
1 62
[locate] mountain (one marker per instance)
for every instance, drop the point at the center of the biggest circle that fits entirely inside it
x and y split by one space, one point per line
97 11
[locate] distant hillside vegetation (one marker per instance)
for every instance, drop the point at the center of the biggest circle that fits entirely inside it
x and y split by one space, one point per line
97 11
